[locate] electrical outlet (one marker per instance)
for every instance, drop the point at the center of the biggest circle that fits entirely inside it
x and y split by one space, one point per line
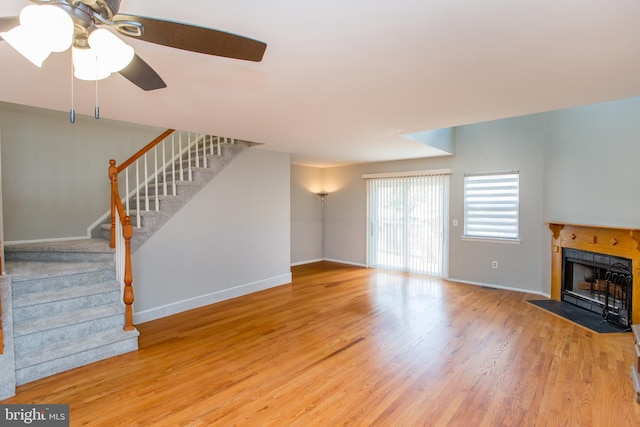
494 264
455 222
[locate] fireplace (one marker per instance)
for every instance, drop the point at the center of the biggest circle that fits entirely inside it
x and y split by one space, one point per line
595 267
599 283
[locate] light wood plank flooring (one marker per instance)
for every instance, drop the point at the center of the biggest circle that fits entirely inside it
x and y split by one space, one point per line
344 345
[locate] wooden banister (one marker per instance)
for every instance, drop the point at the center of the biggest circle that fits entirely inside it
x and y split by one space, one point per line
144 149
118 214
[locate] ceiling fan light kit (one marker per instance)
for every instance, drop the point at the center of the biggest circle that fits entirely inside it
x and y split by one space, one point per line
56 25
105 54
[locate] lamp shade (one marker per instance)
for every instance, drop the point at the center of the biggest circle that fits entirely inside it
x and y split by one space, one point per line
28 45
111 51
87 65
56 27
43 29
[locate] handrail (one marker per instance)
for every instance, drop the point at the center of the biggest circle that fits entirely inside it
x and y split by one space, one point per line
127 233
144 149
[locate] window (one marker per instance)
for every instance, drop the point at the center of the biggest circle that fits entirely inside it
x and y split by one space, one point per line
491 205
407 218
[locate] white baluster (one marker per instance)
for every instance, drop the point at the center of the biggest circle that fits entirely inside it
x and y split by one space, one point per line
173 163
138 206
126 191
155 176
146 184
119 251
204 150
189 153
197 151
219 148
181 168
164 168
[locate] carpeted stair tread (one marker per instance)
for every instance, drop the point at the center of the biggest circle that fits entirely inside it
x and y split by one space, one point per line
80 250
69 347
67 319
62 294
30 270
79 245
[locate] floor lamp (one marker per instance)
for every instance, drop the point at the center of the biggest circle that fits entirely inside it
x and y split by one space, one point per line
322 196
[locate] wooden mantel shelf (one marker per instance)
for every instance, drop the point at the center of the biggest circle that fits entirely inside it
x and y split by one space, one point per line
615 241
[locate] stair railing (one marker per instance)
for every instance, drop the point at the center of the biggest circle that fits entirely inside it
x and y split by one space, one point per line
121 233
150 184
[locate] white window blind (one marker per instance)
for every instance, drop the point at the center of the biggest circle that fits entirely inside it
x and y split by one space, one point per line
491 205
407 223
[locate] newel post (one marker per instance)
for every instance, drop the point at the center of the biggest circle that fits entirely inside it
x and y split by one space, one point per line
127 232
113 177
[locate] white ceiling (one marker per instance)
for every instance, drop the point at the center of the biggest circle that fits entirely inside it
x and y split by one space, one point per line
342 80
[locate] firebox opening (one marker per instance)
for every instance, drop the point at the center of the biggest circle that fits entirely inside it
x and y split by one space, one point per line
598 283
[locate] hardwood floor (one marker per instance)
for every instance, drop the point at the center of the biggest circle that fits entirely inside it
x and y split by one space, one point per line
351 346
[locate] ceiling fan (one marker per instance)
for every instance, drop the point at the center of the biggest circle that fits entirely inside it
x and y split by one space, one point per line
77 22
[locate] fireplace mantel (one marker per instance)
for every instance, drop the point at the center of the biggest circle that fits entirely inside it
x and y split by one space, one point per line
616 241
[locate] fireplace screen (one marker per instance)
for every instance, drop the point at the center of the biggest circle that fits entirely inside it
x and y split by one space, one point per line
599 283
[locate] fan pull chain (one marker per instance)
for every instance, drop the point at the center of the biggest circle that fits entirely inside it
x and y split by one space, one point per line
97 109
72 113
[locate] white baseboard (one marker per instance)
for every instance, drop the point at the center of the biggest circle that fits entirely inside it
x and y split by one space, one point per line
357 264
311 261
212 298
506 288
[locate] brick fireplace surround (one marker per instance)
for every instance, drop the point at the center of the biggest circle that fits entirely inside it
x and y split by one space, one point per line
622 242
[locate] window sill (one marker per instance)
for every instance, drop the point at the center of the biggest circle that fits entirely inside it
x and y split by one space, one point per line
491 240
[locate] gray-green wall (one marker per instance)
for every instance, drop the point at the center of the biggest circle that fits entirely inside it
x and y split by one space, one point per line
576 165
54 173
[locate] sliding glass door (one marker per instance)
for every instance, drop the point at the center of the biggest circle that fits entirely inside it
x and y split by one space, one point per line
407 223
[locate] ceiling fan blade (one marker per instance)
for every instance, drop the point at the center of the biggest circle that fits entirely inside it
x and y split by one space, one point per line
197 39
142 75
7 23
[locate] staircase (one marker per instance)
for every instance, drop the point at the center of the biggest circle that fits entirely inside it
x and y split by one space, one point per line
152 207
67 303
67 307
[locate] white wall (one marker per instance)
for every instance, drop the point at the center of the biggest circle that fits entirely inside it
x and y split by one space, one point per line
231 239
54 173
